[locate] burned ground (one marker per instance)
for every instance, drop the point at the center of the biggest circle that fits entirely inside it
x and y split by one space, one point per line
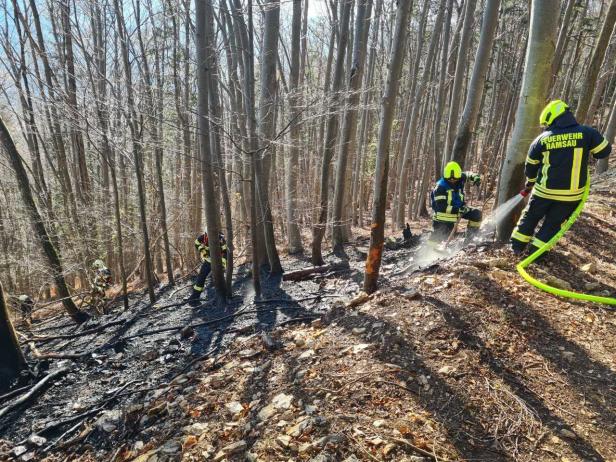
461 360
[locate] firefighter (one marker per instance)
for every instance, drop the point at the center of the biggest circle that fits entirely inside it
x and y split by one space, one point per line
407 234
556 172
202 246
448 204
100 284
26 305
102 277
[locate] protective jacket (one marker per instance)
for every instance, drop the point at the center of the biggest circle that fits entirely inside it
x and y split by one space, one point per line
202 246
447 199
557 160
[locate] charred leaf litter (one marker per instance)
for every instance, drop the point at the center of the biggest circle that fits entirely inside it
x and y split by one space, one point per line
147 348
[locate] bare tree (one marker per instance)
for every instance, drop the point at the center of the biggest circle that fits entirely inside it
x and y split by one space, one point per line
205 54
349 125
477 83
294 238
533 95
331 135
592 71
136 133
12 360
267 118
46 241
377 228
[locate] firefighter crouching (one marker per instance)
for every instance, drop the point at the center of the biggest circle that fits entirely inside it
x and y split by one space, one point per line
448 204
557 172
202 246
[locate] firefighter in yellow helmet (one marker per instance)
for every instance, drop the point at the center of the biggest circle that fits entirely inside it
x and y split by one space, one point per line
556 171
448 203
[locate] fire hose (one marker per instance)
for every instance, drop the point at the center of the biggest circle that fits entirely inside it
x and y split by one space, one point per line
521 267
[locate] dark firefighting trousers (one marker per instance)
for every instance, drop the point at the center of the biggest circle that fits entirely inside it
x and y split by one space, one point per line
442 229
204 272
554 213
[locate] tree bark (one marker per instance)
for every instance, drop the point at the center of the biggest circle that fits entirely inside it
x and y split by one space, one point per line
349 125
267 117
205 54
294 237
47 242
456 91
12 360
592 71
331 134
533 94
477 83
377 231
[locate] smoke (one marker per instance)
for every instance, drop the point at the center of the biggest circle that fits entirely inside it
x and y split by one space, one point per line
427 255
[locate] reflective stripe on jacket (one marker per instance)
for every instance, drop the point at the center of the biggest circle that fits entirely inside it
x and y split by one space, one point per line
557 160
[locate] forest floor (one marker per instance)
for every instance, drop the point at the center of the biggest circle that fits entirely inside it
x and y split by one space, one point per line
457 361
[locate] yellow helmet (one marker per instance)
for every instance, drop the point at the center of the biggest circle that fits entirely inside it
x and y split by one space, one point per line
452 170
552 111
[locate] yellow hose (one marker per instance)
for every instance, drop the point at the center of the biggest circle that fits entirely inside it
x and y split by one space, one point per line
521 267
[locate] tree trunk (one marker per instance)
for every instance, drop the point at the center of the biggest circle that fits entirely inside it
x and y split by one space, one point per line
610 134
205 55
477 83
533 95
456 91
294 237
267 117
12 360
135 134
349 125
47 242
74 117
377 229
418 97
591 72
331 134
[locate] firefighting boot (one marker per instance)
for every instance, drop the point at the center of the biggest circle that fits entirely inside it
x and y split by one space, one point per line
193 298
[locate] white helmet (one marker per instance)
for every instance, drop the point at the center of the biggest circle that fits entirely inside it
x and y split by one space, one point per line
98 264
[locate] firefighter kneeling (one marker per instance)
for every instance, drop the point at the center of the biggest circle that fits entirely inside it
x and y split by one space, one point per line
448 204
202 246
557 171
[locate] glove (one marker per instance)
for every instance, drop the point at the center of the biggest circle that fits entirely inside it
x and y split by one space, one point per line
529 186
476 180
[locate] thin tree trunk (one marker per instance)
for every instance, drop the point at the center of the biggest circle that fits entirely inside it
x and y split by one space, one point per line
592 71
294 238
477 83
456 91
135 133
205 55
267 117
377 229
349 126
411 141
47 242
331 134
